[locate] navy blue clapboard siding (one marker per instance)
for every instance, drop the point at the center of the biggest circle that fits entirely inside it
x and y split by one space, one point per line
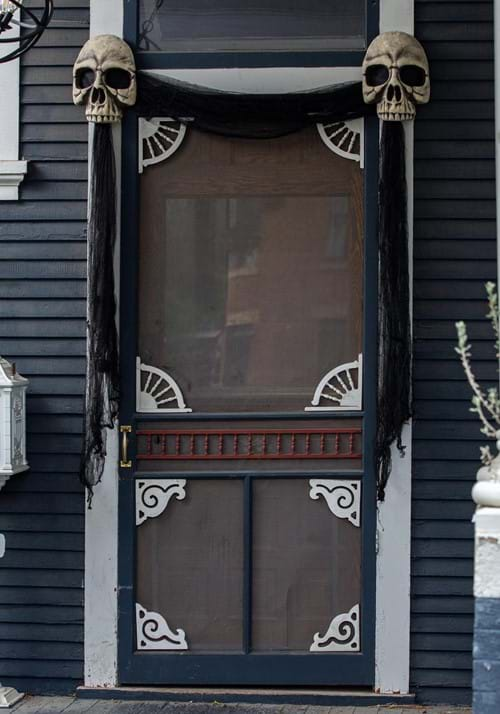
455 254
42 327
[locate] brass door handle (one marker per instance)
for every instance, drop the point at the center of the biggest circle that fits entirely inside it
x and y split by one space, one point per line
125 463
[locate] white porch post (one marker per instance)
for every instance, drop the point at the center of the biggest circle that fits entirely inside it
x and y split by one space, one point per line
101 522
392 649
486 652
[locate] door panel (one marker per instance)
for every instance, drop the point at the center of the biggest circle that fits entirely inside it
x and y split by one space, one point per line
305 564
190 562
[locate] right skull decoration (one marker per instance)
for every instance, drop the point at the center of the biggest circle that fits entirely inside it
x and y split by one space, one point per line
396 76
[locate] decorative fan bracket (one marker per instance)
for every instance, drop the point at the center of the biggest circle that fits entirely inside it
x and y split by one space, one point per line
345 138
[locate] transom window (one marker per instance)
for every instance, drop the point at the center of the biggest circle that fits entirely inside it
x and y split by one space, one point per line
205 25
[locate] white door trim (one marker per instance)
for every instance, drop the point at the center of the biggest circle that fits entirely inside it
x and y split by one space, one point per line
392 638
392 656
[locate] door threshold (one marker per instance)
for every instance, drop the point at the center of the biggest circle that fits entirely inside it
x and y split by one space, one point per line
312 696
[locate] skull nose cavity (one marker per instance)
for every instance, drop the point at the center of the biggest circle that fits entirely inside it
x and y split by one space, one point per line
394 93
98 96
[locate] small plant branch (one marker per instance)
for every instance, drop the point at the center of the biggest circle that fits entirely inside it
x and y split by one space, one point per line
486 404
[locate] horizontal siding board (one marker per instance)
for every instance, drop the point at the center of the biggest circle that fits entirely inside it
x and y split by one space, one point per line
65 191
37 308
55 405
52 171
43 230
40 669
442 643
40 650
441 567
50 542
61 133
48 483
460 12
42 633
13 348
46 523
451 229
42 615
39 578
436 604
67 424
41 596
432 624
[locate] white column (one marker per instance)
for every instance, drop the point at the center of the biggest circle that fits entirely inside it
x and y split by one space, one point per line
8 695
12 171
101 522
392 650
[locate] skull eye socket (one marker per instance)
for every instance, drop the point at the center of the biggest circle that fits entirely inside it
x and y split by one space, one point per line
84 78
376 74
117 78
412 75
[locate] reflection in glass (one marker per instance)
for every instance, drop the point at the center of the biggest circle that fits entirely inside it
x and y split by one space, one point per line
247 299
250 24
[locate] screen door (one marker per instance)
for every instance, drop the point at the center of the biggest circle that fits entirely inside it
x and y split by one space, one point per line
247 350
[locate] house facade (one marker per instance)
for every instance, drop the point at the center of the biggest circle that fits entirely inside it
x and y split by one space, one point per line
215 552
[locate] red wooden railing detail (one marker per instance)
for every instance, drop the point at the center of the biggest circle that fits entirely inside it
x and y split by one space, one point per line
217 444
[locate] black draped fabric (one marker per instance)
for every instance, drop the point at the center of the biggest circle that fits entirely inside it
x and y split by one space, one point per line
394 380
101 396
257 116
252 116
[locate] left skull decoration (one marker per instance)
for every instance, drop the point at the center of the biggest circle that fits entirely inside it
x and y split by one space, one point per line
104 79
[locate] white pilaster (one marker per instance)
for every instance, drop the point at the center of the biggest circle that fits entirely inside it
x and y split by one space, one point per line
12 171
392 651
101 522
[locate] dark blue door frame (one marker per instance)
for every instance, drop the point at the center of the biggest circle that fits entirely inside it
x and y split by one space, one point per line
162 668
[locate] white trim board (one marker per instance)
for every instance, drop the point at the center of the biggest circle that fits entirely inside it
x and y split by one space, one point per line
392 655
101 522
12 171
392 622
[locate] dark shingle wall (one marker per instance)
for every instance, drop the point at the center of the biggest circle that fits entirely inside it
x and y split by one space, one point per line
42 328
455 254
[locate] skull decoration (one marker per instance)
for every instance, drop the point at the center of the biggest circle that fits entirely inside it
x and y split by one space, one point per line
396 76
104 78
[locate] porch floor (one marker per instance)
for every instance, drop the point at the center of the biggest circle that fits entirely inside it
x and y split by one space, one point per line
70 705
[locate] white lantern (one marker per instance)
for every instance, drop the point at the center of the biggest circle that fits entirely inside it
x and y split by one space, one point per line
12 422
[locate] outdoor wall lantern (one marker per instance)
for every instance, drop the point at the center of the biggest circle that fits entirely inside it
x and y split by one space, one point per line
12 422
32 27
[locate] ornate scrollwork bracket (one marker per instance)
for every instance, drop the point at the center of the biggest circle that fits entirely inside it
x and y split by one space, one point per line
343 497
152 496
341 636
153 632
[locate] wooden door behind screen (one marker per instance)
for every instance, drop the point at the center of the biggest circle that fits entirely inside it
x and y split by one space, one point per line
250 555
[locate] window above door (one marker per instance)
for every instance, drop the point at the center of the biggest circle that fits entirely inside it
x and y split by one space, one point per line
204 25
250 32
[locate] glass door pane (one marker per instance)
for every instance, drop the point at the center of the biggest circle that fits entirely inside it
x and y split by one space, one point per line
250 278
